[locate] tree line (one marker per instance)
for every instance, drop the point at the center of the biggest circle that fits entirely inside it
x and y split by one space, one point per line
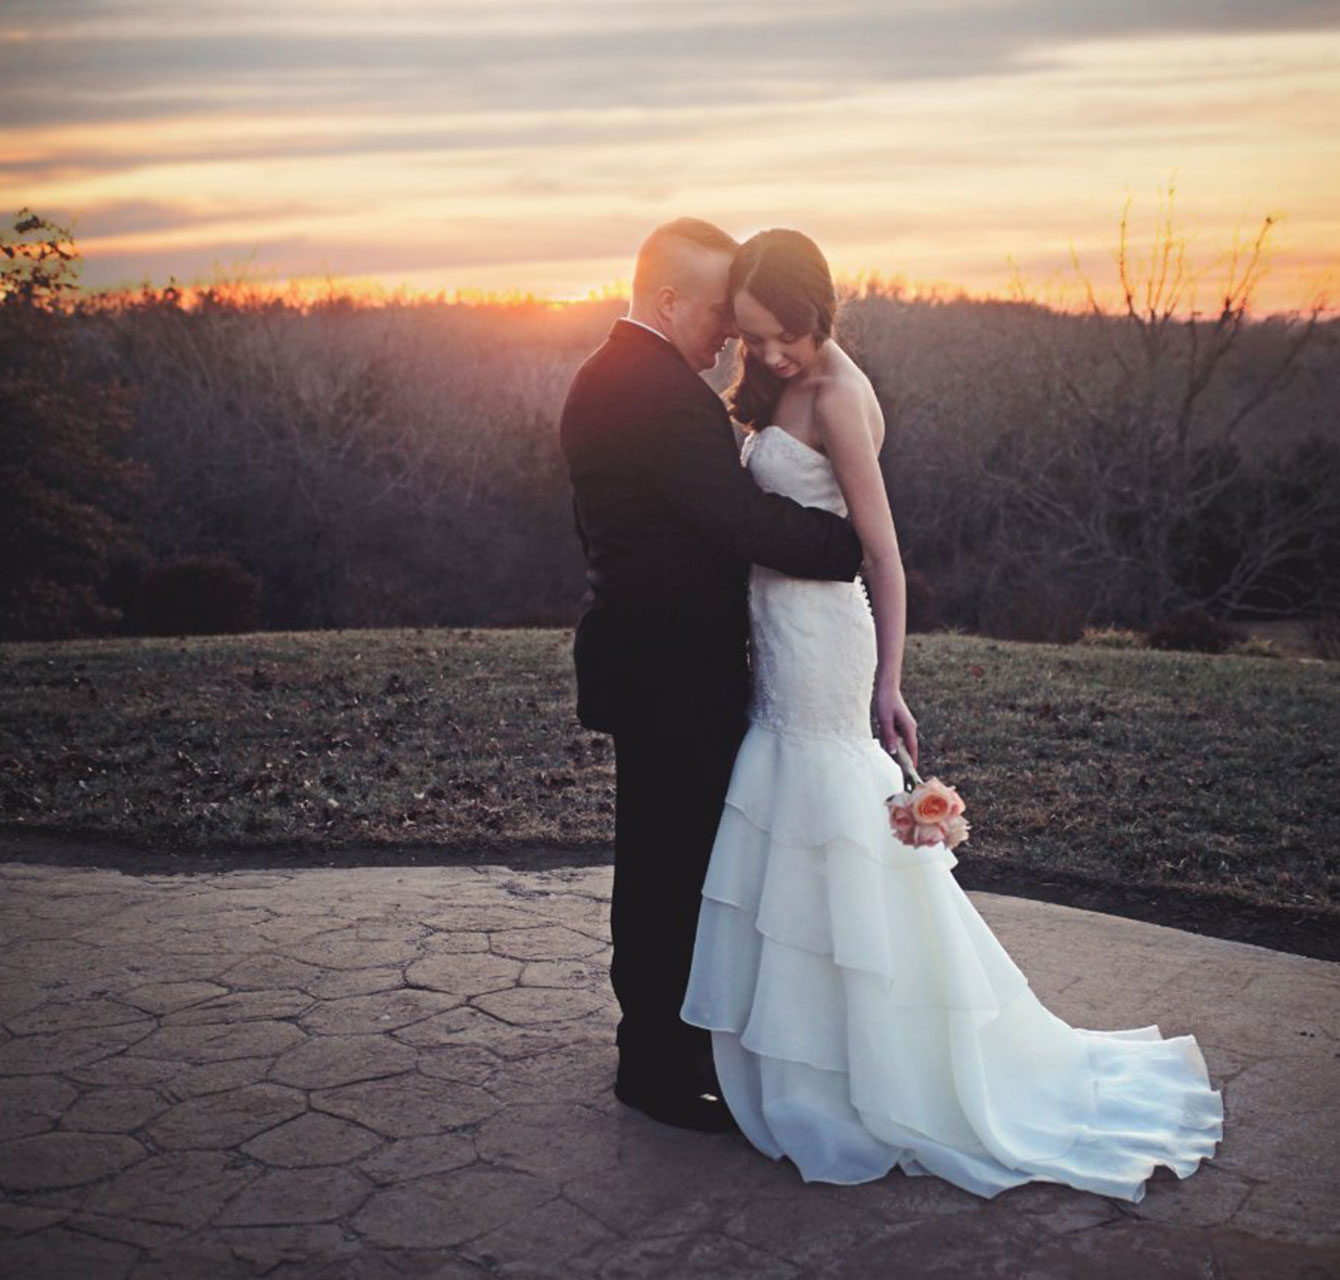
397 464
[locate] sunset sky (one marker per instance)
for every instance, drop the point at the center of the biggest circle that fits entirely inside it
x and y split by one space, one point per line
522 144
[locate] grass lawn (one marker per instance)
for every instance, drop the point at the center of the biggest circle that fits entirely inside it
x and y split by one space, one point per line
1134 768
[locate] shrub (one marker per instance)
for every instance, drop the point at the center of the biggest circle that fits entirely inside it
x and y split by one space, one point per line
43 609
1111 638
198 596
1033 609
1255 647
1192 630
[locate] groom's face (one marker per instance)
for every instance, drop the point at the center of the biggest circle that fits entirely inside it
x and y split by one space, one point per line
700 321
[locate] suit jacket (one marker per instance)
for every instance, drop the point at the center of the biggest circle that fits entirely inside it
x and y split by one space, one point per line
670 523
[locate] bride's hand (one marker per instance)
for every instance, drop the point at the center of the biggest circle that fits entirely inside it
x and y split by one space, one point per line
895 721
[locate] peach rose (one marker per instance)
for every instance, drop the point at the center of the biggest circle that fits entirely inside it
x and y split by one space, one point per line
900 818
956 831
931 815
934 802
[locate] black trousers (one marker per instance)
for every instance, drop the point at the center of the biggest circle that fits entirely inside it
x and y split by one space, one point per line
671 785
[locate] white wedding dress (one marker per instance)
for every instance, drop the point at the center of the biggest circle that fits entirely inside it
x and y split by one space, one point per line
862 1014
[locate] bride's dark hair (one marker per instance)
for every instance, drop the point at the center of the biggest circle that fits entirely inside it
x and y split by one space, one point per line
785 272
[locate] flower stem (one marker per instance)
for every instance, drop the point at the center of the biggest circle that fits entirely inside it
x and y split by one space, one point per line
905 763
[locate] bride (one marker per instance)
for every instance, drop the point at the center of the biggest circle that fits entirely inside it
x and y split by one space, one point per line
862 1014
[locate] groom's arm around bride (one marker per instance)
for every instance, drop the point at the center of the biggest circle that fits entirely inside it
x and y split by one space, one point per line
670 521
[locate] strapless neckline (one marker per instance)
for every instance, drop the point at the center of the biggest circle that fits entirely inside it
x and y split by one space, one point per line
808 448
796 470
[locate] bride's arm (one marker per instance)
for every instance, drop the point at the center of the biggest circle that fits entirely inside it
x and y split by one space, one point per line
842 422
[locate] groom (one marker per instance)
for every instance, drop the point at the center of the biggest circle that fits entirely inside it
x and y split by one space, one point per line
670 522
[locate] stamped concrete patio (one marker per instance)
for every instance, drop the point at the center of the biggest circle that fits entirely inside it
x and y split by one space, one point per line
406 1072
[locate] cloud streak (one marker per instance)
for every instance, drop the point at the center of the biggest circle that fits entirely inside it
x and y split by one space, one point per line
516 132
433 58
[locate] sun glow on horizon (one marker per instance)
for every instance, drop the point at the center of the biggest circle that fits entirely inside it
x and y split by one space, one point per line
1066 292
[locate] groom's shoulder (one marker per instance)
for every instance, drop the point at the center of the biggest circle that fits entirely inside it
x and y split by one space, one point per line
630 392
642 368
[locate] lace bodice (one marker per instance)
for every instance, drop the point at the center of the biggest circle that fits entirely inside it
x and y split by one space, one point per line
782 463
812 643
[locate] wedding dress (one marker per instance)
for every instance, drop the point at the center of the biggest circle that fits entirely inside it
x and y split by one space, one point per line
862 1013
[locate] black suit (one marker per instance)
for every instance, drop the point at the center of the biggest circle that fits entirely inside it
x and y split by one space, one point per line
670 523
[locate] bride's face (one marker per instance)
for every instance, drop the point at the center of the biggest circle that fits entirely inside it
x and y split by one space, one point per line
787 354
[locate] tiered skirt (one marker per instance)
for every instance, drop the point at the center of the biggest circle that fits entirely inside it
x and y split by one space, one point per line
865 1017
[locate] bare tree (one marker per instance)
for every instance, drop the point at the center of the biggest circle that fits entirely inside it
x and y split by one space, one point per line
1139 441
375 465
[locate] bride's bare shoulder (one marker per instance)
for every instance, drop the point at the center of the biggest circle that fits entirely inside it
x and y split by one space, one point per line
844 400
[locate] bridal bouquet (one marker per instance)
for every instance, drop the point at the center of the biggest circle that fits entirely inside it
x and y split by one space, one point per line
931 813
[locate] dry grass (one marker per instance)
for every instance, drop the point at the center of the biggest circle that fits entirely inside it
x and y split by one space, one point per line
1124 765
1142 767
455 737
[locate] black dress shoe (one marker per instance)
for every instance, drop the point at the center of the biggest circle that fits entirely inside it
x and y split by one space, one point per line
682 1108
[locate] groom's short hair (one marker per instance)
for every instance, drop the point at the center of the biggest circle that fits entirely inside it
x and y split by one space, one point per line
656 259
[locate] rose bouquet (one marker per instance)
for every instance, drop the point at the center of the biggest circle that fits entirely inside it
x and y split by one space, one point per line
931 813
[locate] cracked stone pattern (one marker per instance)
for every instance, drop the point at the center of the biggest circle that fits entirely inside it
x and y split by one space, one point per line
395 1073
